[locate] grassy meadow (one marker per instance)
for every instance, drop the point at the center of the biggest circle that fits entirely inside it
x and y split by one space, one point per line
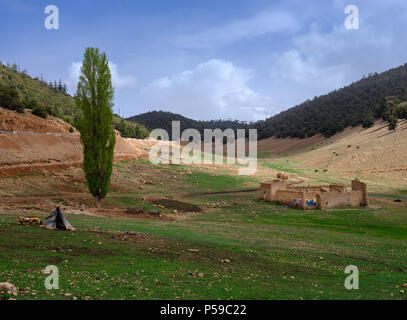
237 248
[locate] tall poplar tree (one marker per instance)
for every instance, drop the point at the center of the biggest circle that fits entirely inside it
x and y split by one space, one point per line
95 98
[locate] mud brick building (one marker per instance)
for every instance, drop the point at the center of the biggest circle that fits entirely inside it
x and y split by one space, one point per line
314 197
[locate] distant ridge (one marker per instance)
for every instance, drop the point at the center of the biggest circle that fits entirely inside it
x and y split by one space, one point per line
163 120
360 103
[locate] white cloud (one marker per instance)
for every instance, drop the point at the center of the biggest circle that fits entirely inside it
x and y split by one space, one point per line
119 80
323 60
266 22
214 89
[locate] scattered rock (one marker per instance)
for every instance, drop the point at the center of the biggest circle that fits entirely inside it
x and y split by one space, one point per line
200 275
7 287
175 211
402 291
225 261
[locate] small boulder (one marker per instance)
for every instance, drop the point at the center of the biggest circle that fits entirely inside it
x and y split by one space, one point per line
8 288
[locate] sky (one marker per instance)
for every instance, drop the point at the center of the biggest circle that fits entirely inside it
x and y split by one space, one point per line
212 59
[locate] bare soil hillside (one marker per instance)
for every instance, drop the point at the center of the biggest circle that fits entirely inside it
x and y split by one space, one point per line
374 154
26 122
29 143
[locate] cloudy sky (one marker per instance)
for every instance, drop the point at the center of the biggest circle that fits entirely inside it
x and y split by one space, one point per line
210 59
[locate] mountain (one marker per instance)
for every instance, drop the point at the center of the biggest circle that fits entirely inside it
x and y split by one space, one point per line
163 120
360 103
19 91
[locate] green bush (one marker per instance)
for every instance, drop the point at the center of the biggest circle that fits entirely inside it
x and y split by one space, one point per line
129 129
40 112
9 98
368 121
20 109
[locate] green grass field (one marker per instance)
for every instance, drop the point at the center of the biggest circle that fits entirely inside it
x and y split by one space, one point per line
237 248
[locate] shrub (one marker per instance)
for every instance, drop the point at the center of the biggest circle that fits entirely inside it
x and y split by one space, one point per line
40 112
392 123
9 98
368 121
20 109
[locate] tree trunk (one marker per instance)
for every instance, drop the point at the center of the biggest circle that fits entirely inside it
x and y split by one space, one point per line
98 204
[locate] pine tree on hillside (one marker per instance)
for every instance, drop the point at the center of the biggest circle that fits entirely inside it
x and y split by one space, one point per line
95 99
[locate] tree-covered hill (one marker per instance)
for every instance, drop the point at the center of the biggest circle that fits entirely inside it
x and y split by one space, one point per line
357 104
19 91
163 120
34 92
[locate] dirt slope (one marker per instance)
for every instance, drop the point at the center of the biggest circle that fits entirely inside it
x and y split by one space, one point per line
13 121
374 154
29 143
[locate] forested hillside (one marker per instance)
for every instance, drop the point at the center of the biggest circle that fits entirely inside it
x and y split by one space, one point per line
19 91
35 93
163 120
358 104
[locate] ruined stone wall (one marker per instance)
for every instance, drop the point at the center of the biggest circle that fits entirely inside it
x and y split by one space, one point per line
310 200
268 190
291 198
319 197
265 191
329 200
360 186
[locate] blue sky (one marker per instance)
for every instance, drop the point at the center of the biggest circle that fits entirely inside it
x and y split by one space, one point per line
210 59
